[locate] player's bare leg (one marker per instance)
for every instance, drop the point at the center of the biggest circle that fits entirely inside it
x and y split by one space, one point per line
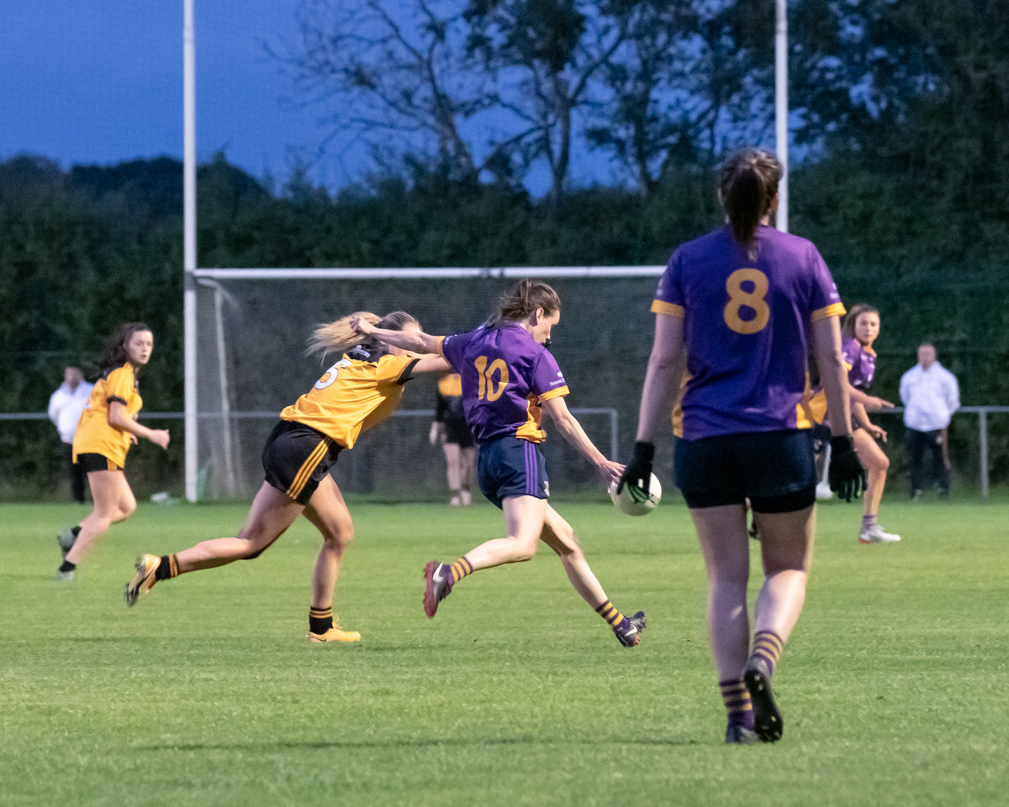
454 472
328 511
560 537
724 543
787 553
876 466
113 502
272 512
524 517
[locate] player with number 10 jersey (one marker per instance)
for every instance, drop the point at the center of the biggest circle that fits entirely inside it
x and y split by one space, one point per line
509 379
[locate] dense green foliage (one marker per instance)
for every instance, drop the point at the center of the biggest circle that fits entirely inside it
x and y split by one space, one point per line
516 693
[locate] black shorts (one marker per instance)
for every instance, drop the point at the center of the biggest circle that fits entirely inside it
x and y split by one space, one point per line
774 470
96 462
296 458
510 466
456 431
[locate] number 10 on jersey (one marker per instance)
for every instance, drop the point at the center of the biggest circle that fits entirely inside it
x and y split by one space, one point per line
488 388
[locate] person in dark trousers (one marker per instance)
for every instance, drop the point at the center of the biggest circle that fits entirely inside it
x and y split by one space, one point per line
931 395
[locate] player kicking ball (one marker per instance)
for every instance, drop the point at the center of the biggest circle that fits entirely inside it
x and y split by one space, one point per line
509 379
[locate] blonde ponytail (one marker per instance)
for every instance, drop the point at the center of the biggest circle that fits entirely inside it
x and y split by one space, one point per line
338 337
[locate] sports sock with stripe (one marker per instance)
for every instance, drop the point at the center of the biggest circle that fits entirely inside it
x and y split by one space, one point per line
609 612
460 569
168 568
868 522
736 698
320 620
767 645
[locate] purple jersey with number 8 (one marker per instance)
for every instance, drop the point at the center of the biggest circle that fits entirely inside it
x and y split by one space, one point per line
505 375
746 329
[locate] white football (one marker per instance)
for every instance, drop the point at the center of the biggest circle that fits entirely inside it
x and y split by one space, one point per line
625 503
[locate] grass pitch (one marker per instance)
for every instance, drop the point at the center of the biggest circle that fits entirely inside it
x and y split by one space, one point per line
893 688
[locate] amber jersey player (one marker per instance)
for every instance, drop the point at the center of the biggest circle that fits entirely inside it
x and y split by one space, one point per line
509 380
357 392
105 432
451 430
745 302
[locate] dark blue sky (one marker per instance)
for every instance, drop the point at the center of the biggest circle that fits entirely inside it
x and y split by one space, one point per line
100 81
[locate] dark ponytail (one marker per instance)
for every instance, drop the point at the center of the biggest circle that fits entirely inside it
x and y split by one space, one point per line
523 299
749 183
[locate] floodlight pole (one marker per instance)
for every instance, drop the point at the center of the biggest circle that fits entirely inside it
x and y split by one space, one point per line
189 244
781 107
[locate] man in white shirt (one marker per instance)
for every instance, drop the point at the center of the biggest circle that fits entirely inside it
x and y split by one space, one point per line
931 395
65 407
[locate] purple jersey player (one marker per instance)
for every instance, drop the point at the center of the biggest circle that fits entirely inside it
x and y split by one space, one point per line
861 327
509 380
745 302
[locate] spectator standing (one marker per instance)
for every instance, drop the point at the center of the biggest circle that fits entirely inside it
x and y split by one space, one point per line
65 407
931 395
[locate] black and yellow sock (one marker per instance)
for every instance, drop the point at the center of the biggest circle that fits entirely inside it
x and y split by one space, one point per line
767 645
609 612
320 620
168 568
460 569
736 698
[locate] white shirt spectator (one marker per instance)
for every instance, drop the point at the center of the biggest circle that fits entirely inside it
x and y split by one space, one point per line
930 394
65 407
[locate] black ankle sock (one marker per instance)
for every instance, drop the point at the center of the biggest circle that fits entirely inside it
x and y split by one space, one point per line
76 530
320 620
167 569
68 566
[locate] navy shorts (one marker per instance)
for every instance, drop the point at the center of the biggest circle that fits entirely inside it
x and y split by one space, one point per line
511 467
296 458
774 470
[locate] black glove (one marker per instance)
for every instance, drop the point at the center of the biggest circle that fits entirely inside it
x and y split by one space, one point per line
845 474
638 473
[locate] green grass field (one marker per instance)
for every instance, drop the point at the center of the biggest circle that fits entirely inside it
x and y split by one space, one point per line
894 686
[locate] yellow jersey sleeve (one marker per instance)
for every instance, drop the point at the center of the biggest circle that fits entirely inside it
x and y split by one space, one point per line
395 369
120 385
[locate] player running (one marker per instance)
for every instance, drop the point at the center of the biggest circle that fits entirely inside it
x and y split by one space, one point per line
744 302
363 388
509 379
105 432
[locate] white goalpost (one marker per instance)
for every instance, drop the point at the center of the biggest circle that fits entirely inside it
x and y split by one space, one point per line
193 276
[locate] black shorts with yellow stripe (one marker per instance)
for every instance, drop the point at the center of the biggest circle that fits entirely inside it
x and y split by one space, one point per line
96 462
297 458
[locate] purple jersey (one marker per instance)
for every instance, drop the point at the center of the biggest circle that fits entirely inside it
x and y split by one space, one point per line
747 326
861 363
506 375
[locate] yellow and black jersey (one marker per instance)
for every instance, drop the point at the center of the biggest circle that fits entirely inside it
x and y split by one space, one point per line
353 395
94 434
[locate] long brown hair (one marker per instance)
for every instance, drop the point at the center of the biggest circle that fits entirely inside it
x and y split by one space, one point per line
339 337
848 325
747 188
115 353
523 299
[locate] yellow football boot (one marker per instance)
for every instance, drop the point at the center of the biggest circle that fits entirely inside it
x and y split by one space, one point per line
334 634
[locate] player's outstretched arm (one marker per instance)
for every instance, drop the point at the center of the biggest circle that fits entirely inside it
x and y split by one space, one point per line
417 341
572 431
